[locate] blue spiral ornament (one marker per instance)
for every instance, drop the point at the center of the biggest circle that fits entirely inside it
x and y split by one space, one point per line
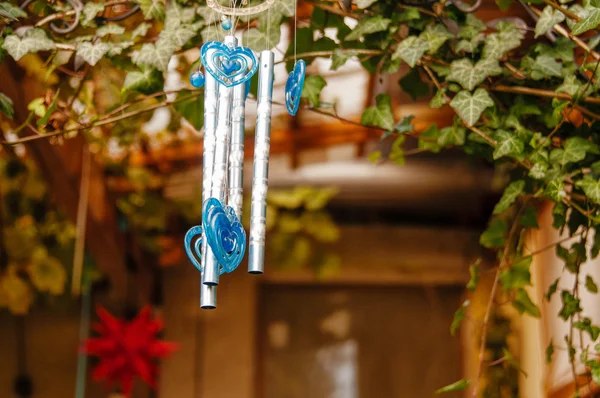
193 246
294 86
224 234
228 65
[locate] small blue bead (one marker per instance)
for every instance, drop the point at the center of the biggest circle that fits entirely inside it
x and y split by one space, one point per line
226 24
197 79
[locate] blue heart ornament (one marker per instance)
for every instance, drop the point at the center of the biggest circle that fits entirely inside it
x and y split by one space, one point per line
224 234
228 65
294 86
193 246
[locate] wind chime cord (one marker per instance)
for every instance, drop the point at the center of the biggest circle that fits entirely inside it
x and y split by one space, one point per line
84 331
82 210
295 27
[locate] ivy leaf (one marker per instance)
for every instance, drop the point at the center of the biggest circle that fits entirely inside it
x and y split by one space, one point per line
570 86
462 71
570 305
140 30
470 45
179 34
258 41
380 115
518 275
504 5
33 40
506 39
46 116
509 144
549 351
511 193
495 236
460 385
439 99
362 4
156 55
192 110
574 150
551 290
367 26
548 19
591 188
522 302
313 85
590 285
177 14
454 135
152 9
459 315
405 125
11 11
529 218
545 66
110 29
470 106
538 171
412 84
146 81
410 50
474 273
92 53
555 190
6 106
428 139
590 21
435 36
90 10
340 57
586 326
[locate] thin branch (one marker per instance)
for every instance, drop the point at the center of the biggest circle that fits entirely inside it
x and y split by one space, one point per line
567 13
60 15
314 54
539 93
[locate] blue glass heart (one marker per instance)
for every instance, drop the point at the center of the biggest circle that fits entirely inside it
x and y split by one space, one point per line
228 65
224 234
293 87
193 248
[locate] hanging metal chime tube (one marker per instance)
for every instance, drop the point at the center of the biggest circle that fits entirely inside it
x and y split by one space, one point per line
236 155
219 174
262 143
208 294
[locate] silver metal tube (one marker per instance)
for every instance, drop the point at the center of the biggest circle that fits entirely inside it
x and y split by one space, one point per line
208 297
236 155
262 143
210 276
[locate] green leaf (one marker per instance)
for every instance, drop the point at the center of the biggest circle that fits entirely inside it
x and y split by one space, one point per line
586 326
590 285
439 99
179 34
155 55
258 41
459 315
412 84
590 21
538 171
522 302
470 106
33 40
140 30
570 305
506 39
551 290
571 86
545 66
547 20
396 154
454 135
462 71
410 50
192 110
380 115
92 53
11 11
495 236
90 10
518 275
474 273
591 188
509 144
177 14
44 119
405 125
555 190
147 81
435 36
469 45
511 193
472 27
340 57
374 156
152 9
574 150
367 26
460 385
428 139
362 4
6 106
313 85
504 5
529 218
110 29
549 351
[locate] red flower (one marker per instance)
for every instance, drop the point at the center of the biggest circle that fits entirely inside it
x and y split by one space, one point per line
127 349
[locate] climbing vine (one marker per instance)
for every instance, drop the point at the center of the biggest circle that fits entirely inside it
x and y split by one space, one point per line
524 92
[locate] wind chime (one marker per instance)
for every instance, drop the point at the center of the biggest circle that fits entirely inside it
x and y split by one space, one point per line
219 244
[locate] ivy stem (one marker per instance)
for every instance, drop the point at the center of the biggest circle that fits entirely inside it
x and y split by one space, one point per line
567 13
540 93
314 54
60 15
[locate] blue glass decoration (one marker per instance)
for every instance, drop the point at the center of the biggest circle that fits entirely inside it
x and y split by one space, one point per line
226 24
194 249
224 234
293 87
228 65
197 79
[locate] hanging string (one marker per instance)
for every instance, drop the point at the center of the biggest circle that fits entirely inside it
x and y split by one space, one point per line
82 211
84 330
295 27
268 29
